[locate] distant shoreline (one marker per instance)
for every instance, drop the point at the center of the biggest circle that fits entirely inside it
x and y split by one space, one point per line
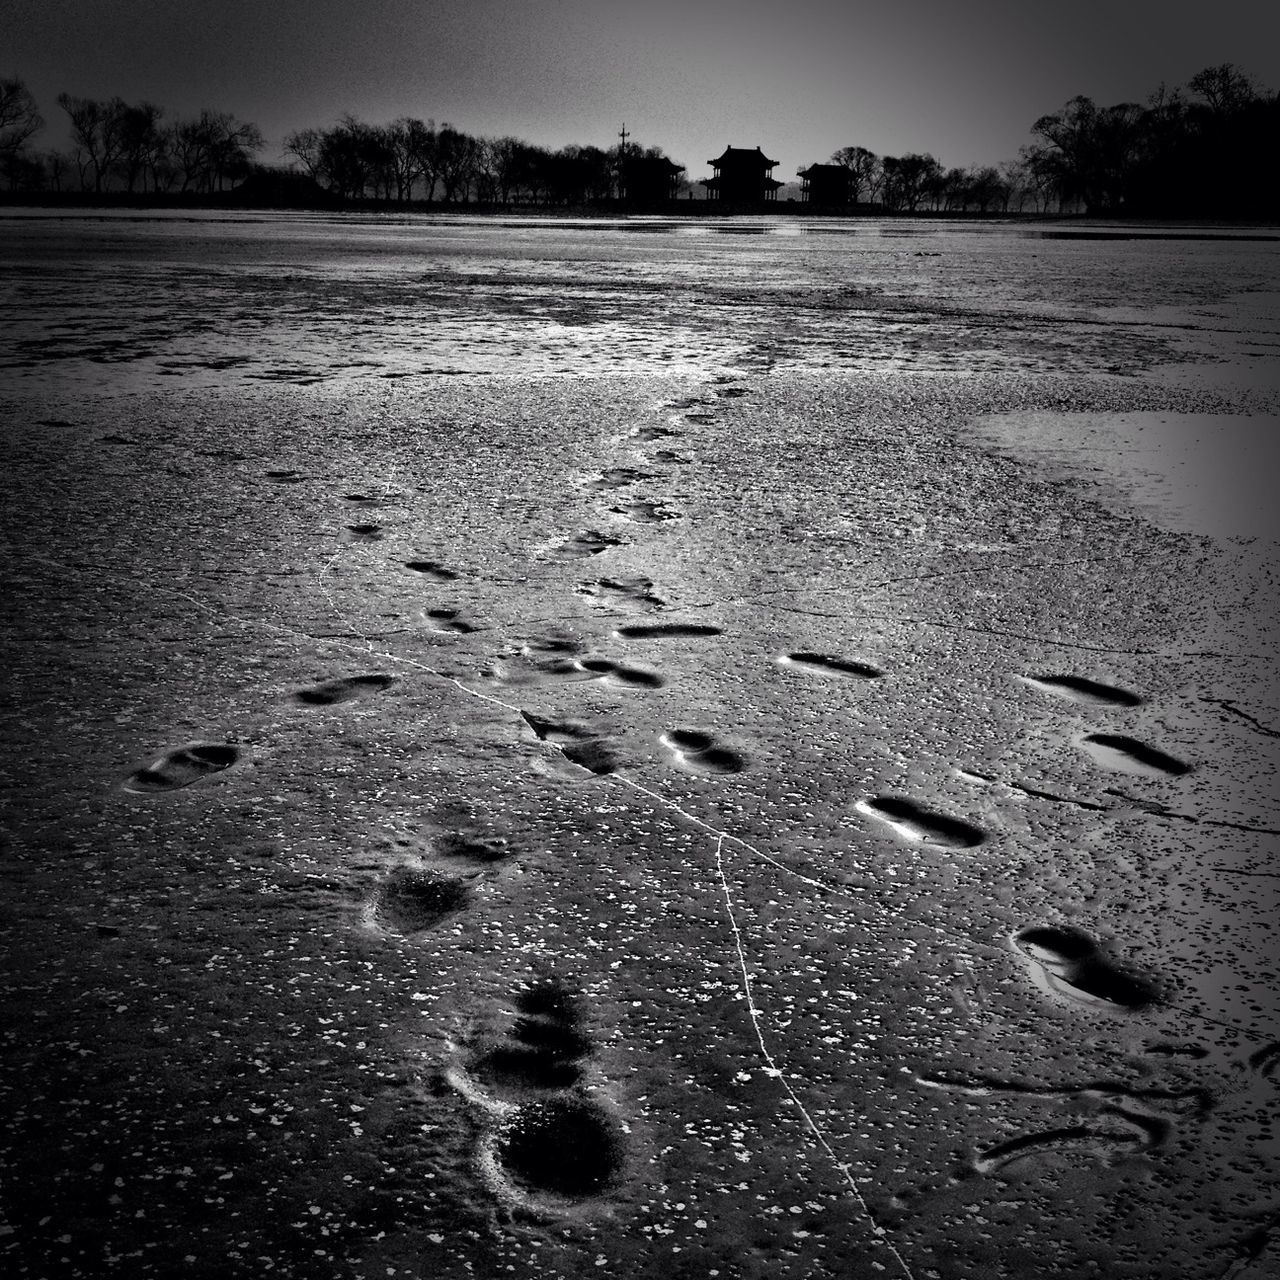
230 202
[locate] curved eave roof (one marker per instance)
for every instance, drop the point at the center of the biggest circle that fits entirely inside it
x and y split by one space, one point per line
732 153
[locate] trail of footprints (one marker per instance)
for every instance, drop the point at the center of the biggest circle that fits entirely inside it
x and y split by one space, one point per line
546 1137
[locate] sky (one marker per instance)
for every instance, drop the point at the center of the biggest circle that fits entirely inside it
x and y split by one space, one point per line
962 79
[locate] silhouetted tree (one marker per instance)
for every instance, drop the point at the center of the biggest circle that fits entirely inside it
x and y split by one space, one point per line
19 122
908 179
142 143
456 154
507 159
305 147
645 176
212 149
96 136
1225 88
864 171
1171 156
406 142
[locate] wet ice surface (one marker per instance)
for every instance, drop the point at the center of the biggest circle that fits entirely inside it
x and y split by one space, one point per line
870 869
1201 473
323 300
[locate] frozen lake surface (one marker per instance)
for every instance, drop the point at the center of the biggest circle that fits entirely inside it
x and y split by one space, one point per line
323 300
649 748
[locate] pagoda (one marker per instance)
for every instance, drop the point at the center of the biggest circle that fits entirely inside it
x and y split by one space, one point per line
826 184
742 176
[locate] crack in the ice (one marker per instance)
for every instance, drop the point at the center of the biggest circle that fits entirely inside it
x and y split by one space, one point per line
1069 644
985 568
773 1070
1150 807
1157 810
1200 1098
1036 792
1228 705
367 646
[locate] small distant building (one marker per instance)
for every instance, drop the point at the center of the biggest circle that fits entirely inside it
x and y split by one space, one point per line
827 184
649 180
279 189
742 176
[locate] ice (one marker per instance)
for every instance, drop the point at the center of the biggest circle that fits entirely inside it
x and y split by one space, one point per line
685 641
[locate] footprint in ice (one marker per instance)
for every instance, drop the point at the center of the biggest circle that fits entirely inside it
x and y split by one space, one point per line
666 630
914 822
549 1139
471 852
538 665
645 513
699 752
615 673
636 590
1128 755
581 546
1069 963
1079 689
285 477
447 622
1120 1134
432 568
576 743
822 664
1266 1062
331 692
412 899
563 1146
181 767
617 478
1120 1120
544 1048
362 533
653 433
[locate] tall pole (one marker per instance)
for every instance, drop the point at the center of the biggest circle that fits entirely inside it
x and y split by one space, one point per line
622 163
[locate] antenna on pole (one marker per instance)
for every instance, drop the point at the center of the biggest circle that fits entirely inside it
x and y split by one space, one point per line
622 163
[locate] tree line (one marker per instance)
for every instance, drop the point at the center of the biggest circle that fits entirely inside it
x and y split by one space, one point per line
1196 151
117 146
1201 151
122 146
412 159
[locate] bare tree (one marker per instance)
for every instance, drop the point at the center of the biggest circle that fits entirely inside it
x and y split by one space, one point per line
57 165
908 179
213 148
1093 149
142 142
305 147
405 140
19 121
1225 88
1018 185
987 188
456 154
864 170
507 160
96 135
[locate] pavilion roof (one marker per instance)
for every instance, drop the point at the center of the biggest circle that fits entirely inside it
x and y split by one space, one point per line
742 153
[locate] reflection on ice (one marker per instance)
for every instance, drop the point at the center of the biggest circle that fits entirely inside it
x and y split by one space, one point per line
203 298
